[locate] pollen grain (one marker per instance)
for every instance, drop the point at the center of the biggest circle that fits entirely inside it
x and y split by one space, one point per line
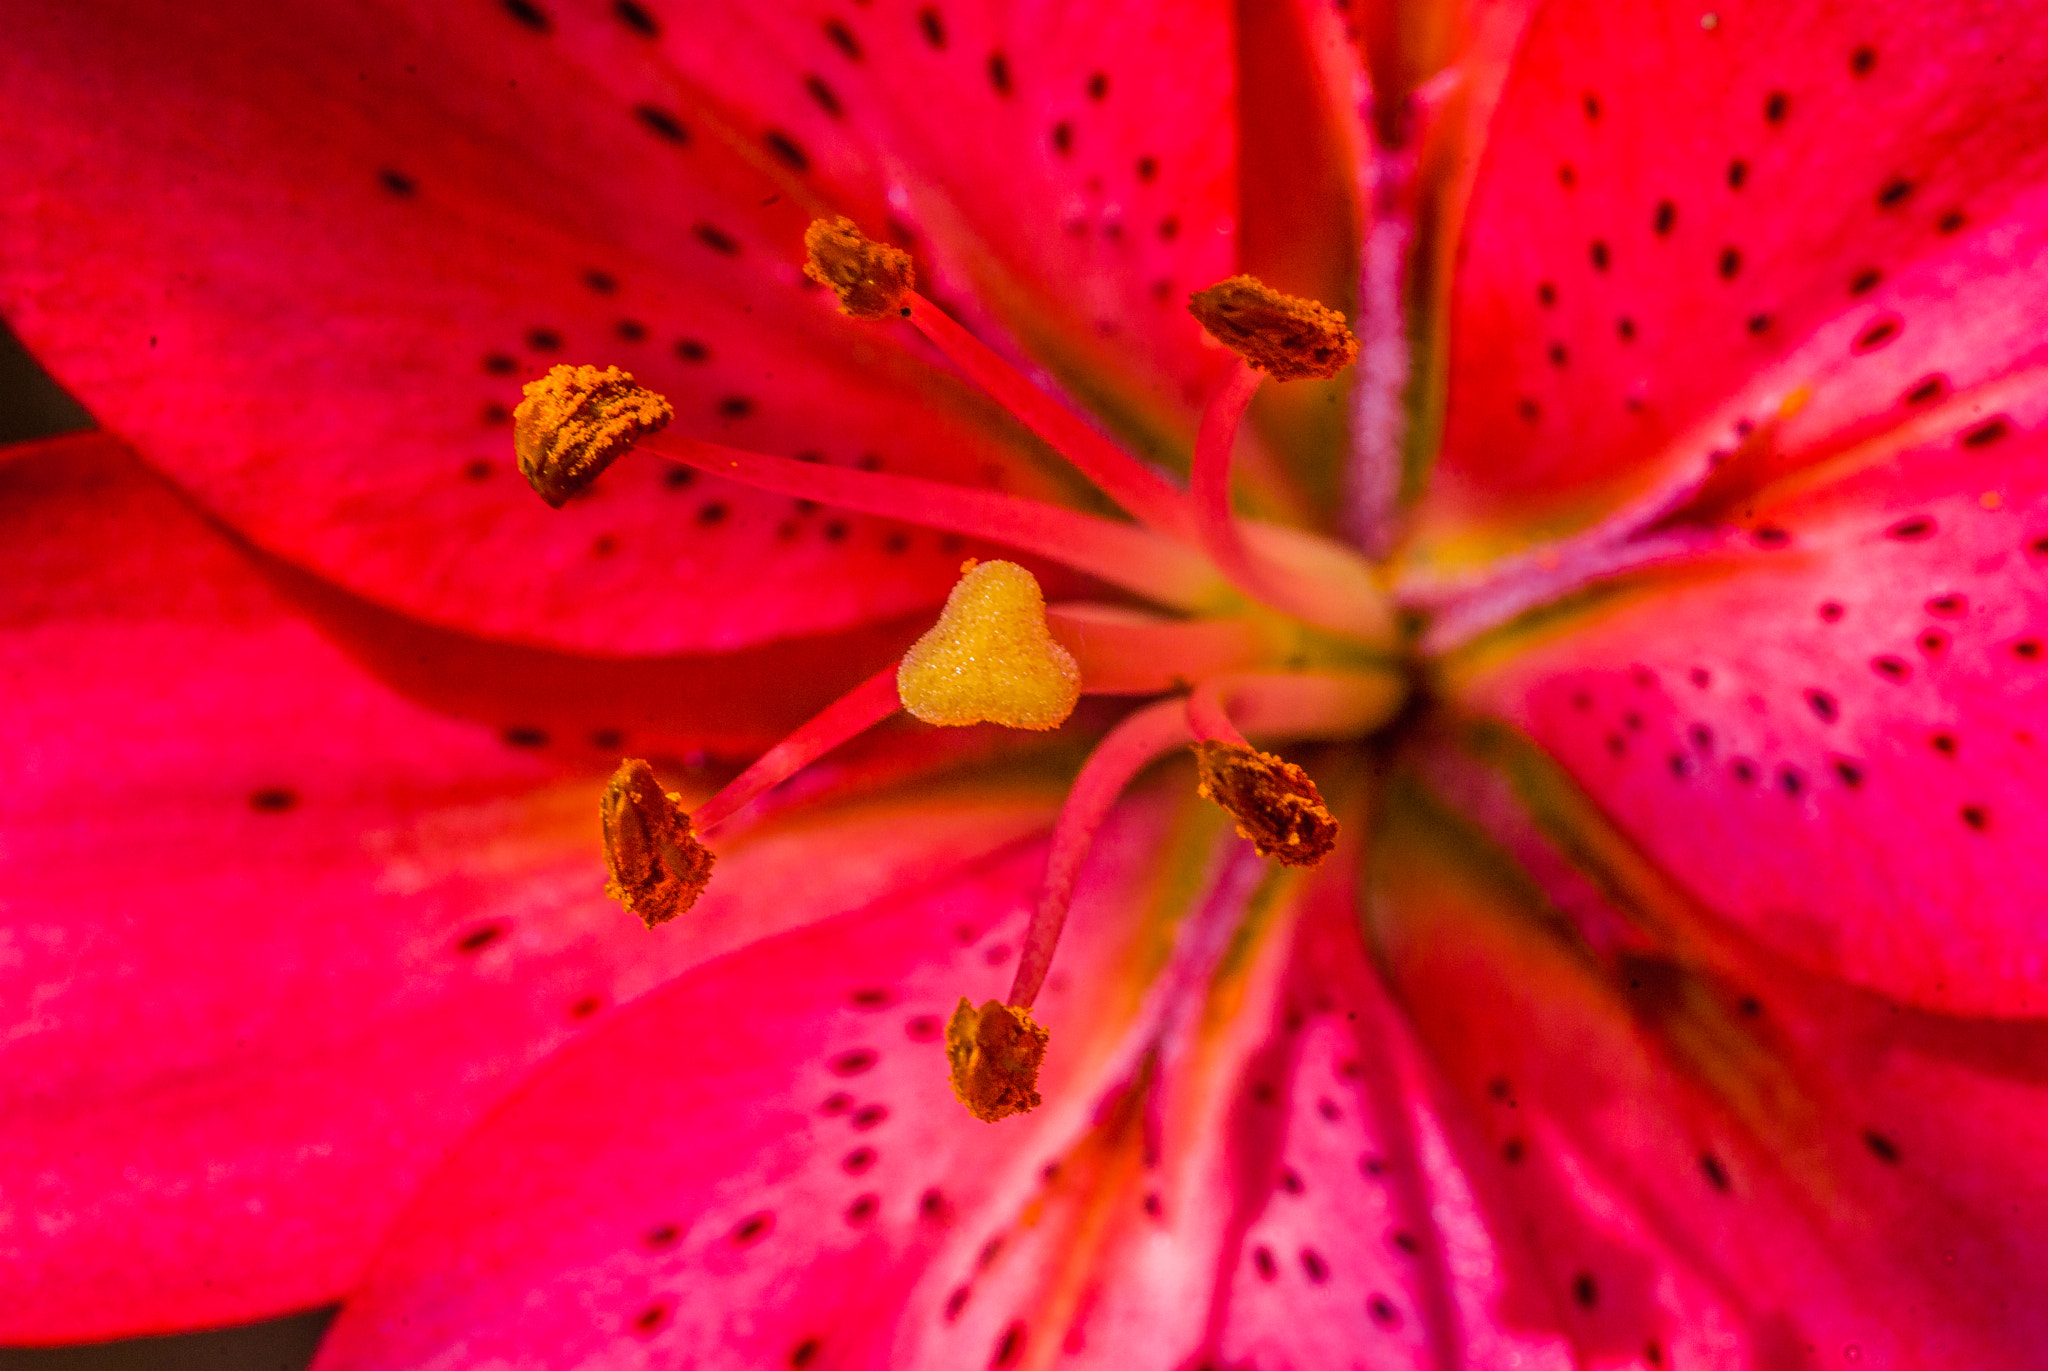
1275 803
871 279
995 1053
658 867
576 421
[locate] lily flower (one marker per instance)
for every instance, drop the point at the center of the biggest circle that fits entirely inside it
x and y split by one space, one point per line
1283 685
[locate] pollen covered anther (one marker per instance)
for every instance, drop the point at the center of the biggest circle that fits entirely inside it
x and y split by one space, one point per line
990 658
658 868
1285 336
995 1052
576 421
1274 802
872 280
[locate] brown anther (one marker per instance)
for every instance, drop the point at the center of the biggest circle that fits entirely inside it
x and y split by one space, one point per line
575 422
872 280
995 1052
1275 804
658 868
1284 336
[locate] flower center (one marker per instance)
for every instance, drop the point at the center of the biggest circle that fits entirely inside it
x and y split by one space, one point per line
1245 627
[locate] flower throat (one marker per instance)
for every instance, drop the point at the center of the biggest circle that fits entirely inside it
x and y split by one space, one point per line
1237 627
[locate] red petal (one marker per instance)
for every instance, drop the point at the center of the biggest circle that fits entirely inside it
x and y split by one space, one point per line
1832 740
1679 221
310 282
1745 1165
279 936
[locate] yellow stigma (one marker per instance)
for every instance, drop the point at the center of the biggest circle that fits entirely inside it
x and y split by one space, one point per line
990 657
995 1053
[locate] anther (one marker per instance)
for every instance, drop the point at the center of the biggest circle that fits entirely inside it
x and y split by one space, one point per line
1274 802
990 658
1285 336
995 1053
575 422
658 868
872 280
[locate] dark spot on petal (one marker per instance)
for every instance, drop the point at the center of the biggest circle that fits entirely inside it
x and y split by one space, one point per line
1566 176
636 17
1383 1311
1098 85
999 73
1951 221
479 938
1950 606
1738 173
826 98
1881 1147
1062 138
1625 327
711 513
957 1301
863 1208
870 1115
854 1061
1744 769
1823 706
1590 103
1911 529
1585 1290
585 1007
1831 612
525 735
933 1207
662 1235
2027 650
1665 218
1010 1346
715 238
735 407
675 478
1546 294
274 799
1702 738
662 124
692 351
1406 1242
1988 432
1894 192
1976 816
1862 60
1263 1263
603 282
1879 332
1716 1173
1681 765
630 331
842 38
1597 252
925 1028
786 150
1147 167
1529 409
1768 536
1558 355
873 997
1776 105
1759 323
650 1319
858 1160
1943 743
500 364
1730 264
1850 773
753 1228
1290 1180
1932 641
397 182
1313 1266
1927 389
804 1353
1169 229
544 340
1513 1150
838 1102
929 20
1791 780
1865 281
529 14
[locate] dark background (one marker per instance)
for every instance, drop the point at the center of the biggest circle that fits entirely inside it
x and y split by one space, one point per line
34 406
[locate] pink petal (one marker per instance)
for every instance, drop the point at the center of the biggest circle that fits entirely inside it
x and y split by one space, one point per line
808 1193
1746 1165
276 936
310 282
1830 737
1843 187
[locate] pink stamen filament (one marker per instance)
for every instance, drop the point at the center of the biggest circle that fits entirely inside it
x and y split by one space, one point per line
1134 744
1125 652
1320 705
1148 496
853 713
1137 559
1301 576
